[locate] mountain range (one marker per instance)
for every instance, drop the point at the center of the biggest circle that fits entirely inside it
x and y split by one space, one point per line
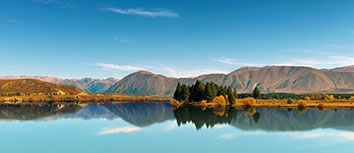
269 79
88 85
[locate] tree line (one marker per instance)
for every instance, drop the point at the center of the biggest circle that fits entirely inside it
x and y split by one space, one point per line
200 91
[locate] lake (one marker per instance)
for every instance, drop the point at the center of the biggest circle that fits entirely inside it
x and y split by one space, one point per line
156 127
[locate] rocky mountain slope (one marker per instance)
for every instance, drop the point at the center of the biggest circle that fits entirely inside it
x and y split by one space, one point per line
269 79
86 84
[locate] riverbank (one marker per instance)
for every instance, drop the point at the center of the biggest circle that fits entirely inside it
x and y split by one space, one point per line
286 103
92 97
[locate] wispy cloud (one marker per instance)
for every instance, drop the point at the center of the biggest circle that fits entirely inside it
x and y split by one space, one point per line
165 70
187 73
107 66
127 129
232 61
143 12
321 62
15 21
121 40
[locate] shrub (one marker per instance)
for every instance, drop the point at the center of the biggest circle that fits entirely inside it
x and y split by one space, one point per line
329 97
249 101
307 98
301 103
203 102
174 102
219 100
351 98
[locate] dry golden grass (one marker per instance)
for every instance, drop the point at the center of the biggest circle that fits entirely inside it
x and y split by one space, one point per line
82 98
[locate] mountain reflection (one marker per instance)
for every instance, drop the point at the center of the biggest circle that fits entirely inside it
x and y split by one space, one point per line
147 114
281 119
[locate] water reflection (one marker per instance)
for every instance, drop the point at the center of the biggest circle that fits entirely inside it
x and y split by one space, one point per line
147 114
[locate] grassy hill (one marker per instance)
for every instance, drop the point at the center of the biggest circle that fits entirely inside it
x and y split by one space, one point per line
26 87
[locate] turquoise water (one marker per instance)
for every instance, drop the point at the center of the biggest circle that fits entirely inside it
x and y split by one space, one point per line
155 127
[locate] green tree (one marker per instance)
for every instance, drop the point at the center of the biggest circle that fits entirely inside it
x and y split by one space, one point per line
221 91
235 92
230 95
208 92
178 93
185 93
214 88
256 93
197 93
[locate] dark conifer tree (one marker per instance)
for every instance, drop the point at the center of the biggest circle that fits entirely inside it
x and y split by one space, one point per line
214 88
235 92
256 93
230 95
185 93
208 92
221 91
178 93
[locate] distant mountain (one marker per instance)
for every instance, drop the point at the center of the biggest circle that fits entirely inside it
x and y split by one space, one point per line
269 79
86 84
32 86
344 69
144 83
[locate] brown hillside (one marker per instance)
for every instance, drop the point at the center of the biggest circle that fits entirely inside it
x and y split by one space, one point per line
86 84
36 87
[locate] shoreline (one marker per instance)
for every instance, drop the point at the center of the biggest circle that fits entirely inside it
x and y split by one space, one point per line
79 98
278 104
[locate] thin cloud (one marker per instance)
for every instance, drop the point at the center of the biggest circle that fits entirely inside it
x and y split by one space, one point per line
188 73
15 21
142 12
121 40
126 129
107 66
322 62
165 70
230 61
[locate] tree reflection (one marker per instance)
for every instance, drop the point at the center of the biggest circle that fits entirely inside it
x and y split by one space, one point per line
210 116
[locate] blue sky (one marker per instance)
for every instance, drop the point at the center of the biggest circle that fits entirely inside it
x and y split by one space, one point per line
113 38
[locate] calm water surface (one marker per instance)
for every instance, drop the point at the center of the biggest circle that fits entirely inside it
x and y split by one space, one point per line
155 127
